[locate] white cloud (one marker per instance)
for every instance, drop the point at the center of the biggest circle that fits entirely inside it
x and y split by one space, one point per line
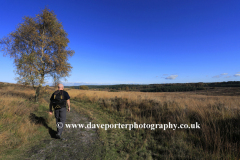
217 76
237 75
172 77
224 74
227 77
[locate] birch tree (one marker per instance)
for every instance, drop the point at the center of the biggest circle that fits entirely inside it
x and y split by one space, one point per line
39 47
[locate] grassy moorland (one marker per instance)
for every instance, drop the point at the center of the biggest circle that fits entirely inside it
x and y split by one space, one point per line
21 120
218 116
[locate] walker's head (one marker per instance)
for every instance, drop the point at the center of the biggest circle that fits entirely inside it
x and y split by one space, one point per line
60 87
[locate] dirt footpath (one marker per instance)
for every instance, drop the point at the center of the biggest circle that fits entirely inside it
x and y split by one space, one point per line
78 144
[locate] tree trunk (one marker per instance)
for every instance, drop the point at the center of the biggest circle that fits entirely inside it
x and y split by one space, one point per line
42 70
38 89
37 93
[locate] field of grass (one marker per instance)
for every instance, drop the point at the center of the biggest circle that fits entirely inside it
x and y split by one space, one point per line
182 99
218 116
19 115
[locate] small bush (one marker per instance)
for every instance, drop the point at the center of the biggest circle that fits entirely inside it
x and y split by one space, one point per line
84 87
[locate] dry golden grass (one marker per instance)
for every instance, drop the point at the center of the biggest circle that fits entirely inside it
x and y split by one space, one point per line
15 124
16 127
218 117
17 91
183 99
221 107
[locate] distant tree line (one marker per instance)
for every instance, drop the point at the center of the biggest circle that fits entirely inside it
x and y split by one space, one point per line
225 84
171 87
121 87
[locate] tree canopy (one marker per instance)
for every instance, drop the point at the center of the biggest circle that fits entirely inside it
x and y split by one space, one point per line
39 47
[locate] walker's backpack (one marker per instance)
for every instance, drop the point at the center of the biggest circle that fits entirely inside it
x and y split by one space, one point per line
58 100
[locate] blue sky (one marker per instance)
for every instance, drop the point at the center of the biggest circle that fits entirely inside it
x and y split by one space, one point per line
140 41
